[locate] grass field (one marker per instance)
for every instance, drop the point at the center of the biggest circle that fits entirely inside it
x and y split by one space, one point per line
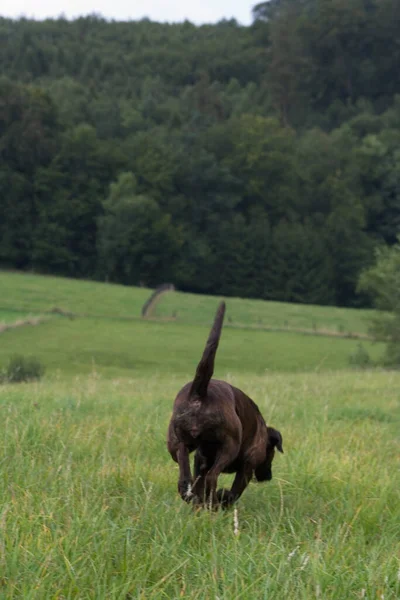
88 493
11 316
24 294
37 294
89 506
194 308
119 348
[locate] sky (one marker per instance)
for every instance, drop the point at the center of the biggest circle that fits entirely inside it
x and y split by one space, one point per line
197 11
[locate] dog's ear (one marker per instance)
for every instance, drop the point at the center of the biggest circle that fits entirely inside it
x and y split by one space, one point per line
275 438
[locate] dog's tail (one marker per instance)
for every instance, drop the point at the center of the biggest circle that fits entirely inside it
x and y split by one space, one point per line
205 368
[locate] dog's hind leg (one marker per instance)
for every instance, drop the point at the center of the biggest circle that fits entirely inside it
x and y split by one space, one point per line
225 456
200 470
185 475
202 465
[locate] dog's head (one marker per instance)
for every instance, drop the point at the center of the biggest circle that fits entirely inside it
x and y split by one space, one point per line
264 471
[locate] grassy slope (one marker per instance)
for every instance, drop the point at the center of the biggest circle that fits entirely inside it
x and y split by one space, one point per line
11 316
119 347
122 348
32 294
89 507
193 308
38 293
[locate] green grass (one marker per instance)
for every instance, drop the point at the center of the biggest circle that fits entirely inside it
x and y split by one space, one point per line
12 316
121 347
193 308
26 293
88 493
133 347
89 507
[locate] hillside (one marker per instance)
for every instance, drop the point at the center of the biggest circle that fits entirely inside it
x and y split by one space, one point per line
27 294
258 314
23 294
98 327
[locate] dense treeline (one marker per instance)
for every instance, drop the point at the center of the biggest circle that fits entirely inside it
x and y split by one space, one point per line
258 161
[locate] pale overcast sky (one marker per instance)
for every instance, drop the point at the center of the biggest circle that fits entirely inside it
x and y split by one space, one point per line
197 11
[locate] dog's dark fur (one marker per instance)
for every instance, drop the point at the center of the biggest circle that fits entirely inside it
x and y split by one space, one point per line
225 428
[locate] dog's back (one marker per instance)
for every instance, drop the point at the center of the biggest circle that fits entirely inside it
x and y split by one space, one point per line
194 407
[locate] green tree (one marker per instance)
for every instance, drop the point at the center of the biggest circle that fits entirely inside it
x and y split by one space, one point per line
17 214
350 248
72 100
378 158
29 134
335 201
262 157
137 241
69 196
289 65
300 267
382 282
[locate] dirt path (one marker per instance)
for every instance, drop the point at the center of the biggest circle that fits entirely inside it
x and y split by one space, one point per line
150 304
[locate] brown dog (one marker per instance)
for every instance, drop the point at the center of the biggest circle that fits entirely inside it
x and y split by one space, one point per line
225 428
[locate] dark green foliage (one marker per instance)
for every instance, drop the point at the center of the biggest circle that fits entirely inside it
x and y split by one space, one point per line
360 358
21 368
136 238
28 139
381 282
256 161
300 265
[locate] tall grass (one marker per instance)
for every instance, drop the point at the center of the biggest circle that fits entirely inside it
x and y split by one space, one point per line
89 506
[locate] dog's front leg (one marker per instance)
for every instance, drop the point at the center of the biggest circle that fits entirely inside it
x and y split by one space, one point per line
185 475
241 481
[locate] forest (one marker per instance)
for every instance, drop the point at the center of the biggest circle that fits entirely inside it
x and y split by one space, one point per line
259 161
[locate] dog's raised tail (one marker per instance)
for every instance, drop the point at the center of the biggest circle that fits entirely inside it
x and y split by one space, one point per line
205 368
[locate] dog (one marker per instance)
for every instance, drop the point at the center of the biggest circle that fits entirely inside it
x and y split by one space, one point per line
225 428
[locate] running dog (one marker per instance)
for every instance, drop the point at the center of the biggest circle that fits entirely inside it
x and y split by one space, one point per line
225 428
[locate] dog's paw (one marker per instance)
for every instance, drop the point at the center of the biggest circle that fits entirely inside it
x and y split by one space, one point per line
225 498
185 490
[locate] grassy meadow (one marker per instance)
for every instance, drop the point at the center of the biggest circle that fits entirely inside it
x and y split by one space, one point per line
194 308
26 293
8 317
38 294
132 348
88 493
89 506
